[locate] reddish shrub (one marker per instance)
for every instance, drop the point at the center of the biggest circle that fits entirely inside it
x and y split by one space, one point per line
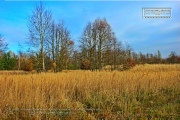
86 64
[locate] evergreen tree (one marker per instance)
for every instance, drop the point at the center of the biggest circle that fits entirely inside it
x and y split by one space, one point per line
7 62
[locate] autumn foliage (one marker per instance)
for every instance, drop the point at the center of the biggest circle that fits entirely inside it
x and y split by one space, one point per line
86 64
27 65
129 64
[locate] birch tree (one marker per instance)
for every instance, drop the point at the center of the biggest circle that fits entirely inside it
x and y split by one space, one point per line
39 26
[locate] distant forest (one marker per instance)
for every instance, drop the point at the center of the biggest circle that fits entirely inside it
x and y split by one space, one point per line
51 48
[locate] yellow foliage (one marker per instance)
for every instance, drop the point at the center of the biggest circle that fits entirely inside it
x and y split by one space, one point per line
54 65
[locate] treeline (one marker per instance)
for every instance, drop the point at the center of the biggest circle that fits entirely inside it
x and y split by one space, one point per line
155 58
29 62
51 48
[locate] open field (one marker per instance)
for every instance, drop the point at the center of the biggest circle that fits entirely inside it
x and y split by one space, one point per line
144 92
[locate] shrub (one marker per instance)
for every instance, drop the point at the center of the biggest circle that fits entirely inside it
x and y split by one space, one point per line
27 65
129 64
86 64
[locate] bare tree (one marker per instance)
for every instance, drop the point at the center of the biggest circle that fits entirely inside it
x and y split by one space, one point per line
3 45
96 41
52 41
39 27
88 45
60 45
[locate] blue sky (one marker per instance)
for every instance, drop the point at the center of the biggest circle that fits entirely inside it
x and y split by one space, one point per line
125 18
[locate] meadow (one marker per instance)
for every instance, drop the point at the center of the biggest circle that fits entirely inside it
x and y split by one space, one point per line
143 92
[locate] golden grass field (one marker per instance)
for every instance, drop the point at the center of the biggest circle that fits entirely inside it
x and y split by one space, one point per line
143 92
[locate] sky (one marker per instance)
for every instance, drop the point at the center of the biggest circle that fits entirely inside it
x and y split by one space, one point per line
125 17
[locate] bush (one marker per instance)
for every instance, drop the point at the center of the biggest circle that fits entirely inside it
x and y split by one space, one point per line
129 64
27 65
86 64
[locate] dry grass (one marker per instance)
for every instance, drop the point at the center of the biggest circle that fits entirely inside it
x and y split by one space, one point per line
144 92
